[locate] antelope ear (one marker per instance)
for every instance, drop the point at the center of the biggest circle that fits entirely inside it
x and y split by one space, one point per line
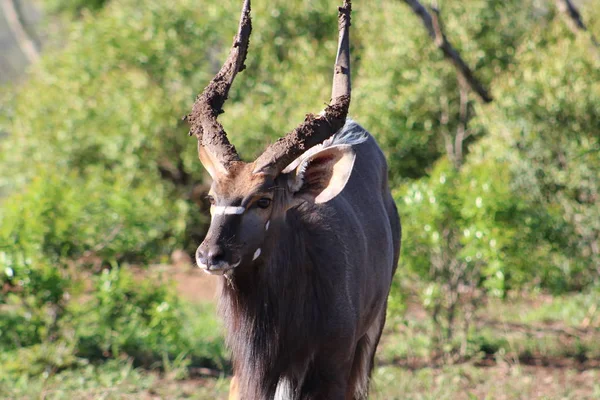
210 162
323 175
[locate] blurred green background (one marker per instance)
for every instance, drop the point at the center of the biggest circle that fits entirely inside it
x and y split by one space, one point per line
102 197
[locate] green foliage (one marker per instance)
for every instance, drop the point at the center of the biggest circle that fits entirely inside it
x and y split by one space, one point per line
145 320
97 167
458 239
116 112
523 208
404 87
122 316
525 204
73 8
129 317
165 52
553 154
465 210
61 216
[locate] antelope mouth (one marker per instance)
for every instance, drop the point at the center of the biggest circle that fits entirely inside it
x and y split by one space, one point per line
218 269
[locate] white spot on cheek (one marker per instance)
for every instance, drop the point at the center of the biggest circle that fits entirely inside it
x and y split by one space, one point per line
256 254
267 225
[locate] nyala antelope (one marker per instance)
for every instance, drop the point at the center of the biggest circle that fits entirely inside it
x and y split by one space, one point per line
305 239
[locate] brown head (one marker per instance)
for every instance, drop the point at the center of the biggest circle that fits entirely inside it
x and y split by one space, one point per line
249 199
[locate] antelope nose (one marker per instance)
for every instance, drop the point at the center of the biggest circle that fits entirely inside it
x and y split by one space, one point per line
207 257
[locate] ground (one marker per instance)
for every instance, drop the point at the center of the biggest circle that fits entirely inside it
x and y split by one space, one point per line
391 382
538 347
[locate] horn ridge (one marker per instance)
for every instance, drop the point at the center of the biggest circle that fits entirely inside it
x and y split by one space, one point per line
315 129
209 104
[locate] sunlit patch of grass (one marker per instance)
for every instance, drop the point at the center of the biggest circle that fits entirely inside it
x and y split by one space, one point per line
537 329
119 380
116 377
205 333
580 310
468 382
111 380
56 369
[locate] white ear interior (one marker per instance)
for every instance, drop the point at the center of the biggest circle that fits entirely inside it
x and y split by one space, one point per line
342 170
324 174
210 162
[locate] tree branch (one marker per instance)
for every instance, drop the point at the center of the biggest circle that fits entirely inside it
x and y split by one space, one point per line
461 131
444 120
575 22
26 44
434 28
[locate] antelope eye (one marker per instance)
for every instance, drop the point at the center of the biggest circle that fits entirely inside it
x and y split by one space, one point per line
263 202
211 200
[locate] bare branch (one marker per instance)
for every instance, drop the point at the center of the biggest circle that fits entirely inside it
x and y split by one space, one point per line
434 28
461 130
315 129
567 7
444 120
575 22
26 44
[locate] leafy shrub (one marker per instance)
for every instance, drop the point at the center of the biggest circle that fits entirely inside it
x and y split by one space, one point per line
456 238
63 217
143 318
139 319
73 8
129 73
120 316
551 151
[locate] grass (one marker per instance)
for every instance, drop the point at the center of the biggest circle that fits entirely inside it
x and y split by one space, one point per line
538 328
522 348
119 380
111 380
502 381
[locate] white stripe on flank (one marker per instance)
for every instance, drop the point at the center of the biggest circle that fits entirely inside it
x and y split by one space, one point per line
226 210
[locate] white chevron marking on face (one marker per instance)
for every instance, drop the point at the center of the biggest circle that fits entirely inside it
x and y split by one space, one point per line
267 225
256 254
226 210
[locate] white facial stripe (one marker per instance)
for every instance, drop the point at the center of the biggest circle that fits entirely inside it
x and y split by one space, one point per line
256 254
267 225
226 210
